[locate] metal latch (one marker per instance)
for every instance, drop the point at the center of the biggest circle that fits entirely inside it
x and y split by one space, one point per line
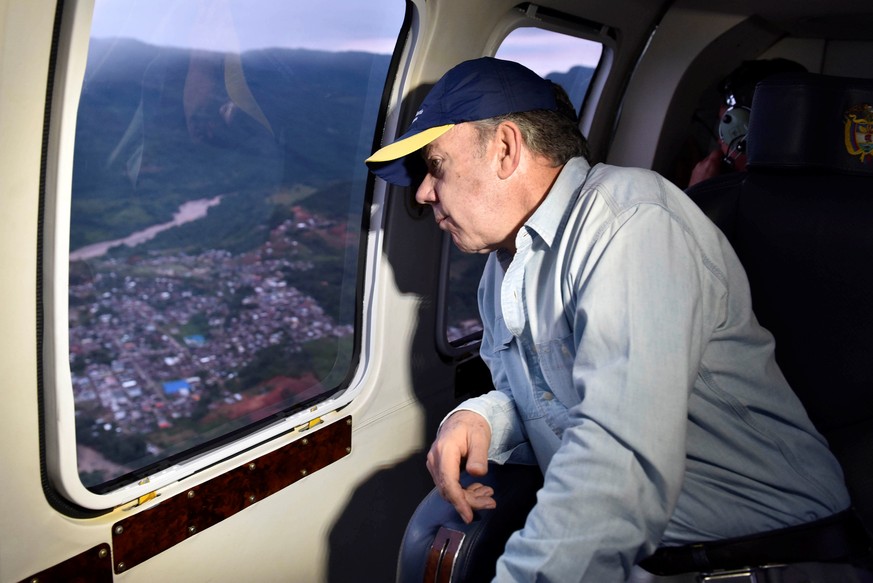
744 575
739 576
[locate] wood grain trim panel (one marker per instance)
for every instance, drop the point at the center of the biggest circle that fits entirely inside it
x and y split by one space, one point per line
144 535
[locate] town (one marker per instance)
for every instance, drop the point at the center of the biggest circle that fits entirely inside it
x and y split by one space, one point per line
158 341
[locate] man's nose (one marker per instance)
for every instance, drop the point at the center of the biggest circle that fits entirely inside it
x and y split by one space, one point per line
425 193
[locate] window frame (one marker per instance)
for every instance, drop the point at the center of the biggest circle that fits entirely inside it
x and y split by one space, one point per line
59 457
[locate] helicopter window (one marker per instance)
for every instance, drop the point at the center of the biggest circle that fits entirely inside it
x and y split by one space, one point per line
215 224
567 60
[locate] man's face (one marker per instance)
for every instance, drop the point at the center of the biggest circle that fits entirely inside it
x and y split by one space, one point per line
462 186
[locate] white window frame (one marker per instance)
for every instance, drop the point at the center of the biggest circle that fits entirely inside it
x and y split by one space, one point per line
61 460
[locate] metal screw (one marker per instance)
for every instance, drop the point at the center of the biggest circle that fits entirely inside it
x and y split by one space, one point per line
305 441
191 493
120 566
252 466
348 450
192 529
252 498
103 553
119 529
303 472
349 421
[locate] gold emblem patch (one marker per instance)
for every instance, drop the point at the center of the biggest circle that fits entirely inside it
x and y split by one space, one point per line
859 131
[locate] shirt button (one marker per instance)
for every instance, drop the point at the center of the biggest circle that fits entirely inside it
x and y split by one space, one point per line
548 396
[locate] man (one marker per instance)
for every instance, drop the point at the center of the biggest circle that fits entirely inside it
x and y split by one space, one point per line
737 90
619 334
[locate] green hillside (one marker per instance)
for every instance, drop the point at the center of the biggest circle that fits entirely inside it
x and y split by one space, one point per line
161 126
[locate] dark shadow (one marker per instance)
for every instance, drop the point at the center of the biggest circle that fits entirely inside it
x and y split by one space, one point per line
365 540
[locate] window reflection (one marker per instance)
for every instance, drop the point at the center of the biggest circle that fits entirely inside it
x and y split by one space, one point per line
216 211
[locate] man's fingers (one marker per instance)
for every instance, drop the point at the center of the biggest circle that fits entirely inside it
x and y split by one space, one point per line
477 452
457 497
444 465
477 489
480 497
467 500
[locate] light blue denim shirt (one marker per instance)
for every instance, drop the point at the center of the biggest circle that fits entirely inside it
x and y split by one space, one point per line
629 365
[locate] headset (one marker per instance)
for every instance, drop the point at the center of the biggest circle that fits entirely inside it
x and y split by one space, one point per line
732 129
737 90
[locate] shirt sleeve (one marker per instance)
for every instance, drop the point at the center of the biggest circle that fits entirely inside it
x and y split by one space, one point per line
611 487
509 441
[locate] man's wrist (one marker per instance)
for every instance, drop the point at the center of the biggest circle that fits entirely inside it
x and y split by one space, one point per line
471 409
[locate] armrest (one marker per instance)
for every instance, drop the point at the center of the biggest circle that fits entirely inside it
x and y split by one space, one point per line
439 547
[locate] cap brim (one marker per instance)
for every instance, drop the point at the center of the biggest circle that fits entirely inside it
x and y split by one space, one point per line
407 146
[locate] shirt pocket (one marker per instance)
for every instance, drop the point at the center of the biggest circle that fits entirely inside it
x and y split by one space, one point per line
511 360
556 360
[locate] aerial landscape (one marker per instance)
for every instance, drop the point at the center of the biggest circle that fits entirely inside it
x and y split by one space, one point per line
213 250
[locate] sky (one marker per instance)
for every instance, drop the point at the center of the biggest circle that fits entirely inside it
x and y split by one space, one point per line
331 25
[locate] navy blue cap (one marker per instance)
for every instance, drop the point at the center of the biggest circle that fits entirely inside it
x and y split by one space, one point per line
474 90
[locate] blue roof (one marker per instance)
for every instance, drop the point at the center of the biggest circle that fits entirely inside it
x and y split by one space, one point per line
172 387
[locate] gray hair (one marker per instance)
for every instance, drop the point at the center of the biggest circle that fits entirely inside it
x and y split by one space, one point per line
554 135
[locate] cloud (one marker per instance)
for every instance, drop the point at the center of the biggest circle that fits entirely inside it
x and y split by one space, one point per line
330 25
245 24
547 52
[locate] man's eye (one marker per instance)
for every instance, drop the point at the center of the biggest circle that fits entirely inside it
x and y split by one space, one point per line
433 165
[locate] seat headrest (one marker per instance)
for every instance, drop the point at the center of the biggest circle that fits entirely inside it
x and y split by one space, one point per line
810 121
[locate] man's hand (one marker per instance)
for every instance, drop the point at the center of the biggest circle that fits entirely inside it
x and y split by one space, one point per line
706 168
464 436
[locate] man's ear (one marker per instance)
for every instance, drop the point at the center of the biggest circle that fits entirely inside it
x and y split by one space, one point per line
509 146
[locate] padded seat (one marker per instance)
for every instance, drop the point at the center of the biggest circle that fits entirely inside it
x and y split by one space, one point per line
801 222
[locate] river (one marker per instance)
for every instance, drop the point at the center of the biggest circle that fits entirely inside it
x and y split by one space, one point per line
189 211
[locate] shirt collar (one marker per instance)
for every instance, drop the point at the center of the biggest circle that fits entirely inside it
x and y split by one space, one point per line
548 218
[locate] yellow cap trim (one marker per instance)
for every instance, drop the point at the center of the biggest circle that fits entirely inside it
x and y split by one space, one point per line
409 145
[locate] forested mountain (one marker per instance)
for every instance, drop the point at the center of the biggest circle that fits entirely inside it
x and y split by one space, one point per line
160 126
